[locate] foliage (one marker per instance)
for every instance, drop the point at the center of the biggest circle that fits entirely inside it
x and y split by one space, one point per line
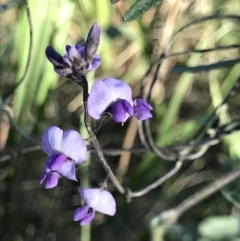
138 8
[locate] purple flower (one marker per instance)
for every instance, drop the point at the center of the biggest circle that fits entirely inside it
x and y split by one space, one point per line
78 58
74 60
115 97
64 149
95 199
142 109
95 62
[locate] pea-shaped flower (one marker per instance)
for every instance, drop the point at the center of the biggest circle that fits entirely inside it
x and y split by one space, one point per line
94 199
78 58
74 60
115 97
64 150
78 52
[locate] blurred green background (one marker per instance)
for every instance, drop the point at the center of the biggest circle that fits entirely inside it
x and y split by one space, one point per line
181 103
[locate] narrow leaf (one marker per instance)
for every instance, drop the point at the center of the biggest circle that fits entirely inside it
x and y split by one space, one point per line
114 1
139 8
199 68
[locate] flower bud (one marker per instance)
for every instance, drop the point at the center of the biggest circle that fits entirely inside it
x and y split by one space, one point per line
74 57
60 66
92 43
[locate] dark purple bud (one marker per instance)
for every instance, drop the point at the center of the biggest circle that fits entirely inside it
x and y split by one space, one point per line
60 66
74 57
92 43
54 56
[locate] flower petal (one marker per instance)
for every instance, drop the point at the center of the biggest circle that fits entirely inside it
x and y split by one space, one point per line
84 214
74 56
80 49
51 140
74 146
142 109
106 203
100 97
99 200
92 42
88 218
121 110
142 102
61 67
94 64
63 72
95 61
94 32
90 196
120 88
104 93
68 170
67 60
55 162
51 180
54 57
80 213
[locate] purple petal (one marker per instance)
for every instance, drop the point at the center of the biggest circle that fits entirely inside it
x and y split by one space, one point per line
121 110
88 218
106 203
84 214
67 60
142 109
95 61
80 213
73 52
99 200
52 140
54 56
120 88
74 146
51 180
94 33
92 42
94 64
89 195
55 162
74 56
104 93
80 49
68 170
62 73
61 67
143 103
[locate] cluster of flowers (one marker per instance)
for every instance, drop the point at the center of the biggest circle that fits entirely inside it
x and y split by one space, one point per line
67 149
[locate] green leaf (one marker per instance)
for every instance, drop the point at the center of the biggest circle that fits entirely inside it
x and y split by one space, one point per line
114 1
220 228
199 68
139 8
